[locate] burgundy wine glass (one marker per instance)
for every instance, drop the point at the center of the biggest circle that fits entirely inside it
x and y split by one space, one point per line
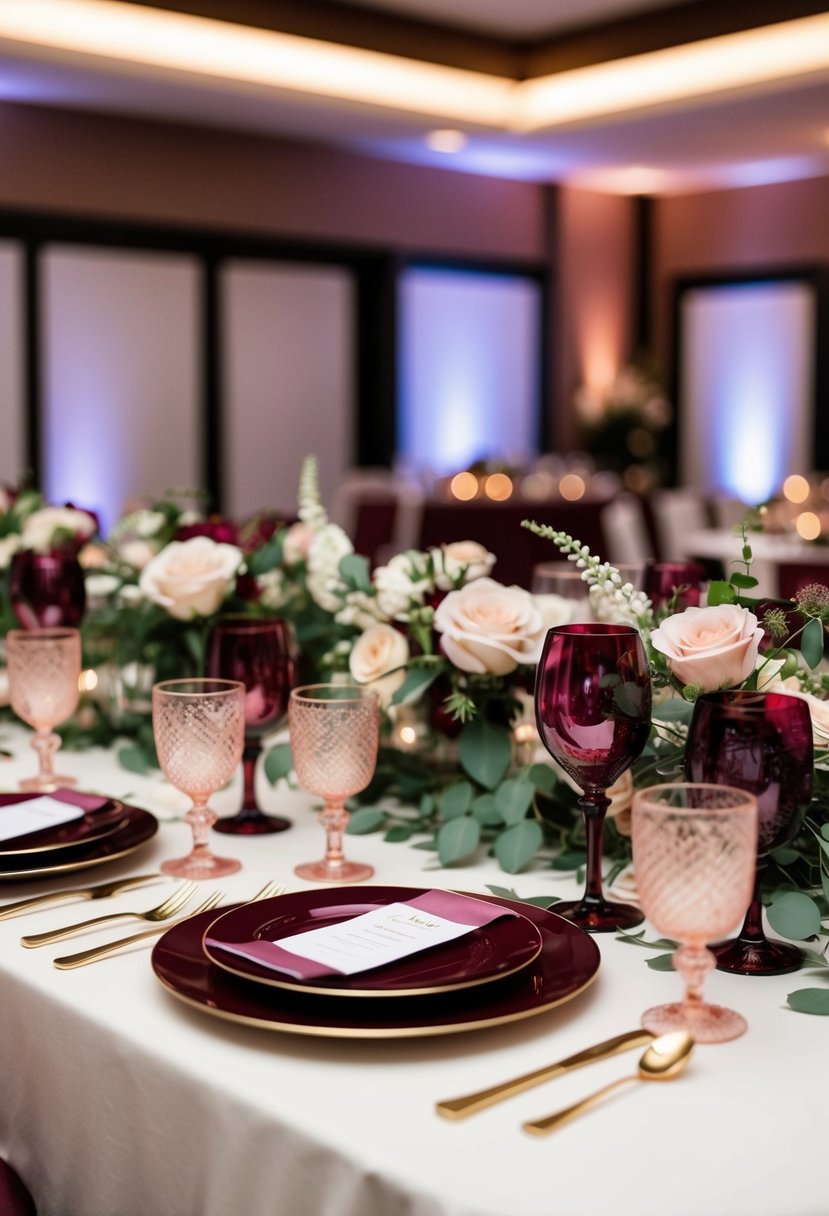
760 742
593 711
677 583
47 590
259 653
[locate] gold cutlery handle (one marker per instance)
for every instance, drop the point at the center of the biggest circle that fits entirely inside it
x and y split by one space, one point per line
101 891
460 1108
56 935
69 961
541 1127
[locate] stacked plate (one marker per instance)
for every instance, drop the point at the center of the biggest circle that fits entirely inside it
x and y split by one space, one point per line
513 967
109 829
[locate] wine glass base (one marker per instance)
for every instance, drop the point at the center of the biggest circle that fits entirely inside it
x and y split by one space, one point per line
707 1023
741 957
342 871
251 823
200 866
47 785
604 917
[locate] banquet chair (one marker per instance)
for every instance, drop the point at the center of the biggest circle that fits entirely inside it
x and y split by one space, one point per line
379 510
15 1199
626 531
677 512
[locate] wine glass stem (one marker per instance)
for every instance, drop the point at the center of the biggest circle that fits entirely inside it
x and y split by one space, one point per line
334 819
752 930
693 962
201 817
593 806
46 743
249 757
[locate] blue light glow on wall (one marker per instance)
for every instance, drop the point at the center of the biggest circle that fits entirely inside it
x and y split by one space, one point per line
747 387
469 368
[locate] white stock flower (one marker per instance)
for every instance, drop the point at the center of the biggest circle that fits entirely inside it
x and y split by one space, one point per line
489 628
40 528
191 577
375 657
465 558
329 546
137 552
400 584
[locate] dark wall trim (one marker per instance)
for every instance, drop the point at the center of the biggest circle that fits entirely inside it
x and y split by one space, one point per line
643 254
814 275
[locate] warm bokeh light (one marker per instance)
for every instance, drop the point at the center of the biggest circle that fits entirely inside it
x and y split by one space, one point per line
408 736
796 488
88 680
538 486
498 487
572 487
807 525
446 139
464 486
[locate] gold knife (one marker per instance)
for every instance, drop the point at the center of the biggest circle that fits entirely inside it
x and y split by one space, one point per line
459 1108
101 891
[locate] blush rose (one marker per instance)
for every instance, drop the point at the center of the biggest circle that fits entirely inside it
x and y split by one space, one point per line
191 578
488 628
714 647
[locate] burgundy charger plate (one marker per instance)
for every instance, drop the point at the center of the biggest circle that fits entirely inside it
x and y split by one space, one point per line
91 826
488 953
567 964
137 827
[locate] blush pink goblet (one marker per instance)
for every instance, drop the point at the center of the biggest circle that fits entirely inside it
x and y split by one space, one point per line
44 669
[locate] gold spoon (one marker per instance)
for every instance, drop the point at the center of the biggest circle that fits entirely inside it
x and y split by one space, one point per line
665 1059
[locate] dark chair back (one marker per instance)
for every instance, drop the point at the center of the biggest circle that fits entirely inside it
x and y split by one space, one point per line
15 1199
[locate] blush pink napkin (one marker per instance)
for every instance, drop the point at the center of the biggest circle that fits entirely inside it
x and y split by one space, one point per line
463 909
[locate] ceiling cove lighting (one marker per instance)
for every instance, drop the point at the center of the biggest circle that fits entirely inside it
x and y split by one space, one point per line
115 31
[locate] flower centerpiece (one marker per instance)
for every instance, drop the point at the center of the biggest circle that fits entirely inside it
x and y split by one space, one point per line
624 425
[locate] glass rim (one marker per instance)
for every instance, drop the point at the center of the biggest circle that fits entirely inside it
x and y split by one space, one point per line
168 688
747 698
246 624
362 692
43 633
742 799
601 628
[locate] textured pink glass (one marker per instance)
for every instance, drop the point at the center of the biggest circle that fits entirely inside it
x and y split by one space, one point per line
47 589
694 847
334 735
260 653
760 742
44 669
199 731
593 711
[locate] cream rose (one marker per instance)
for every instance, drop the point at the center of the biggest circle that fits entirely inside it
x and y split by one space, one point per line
40 528
375 657
191 577
714 647
464 558
490 628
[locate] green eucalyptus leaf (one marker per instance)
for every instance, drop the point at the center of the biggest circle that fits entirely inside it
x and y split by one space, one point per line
784 856
569 859
269 557
627 697
720 592
675 710
429 846
458 839
517 845
811 642
661 962
485 752
278 762
485 810
134 758
809 1000
794 915
366 819
399 833
455 799
542 777
513 799
743 581
824 831
416 682
355 570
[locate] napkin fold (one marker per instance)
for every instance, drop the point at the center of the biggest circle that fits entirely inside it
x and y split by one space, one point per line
463 911
43 812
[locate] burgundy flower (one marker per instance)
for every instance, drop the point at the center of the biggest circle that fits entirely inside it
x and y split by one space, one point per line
222 531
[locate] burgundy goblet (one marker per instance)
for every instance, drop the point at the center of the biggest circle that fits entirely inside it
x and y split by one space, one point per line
760 742
47 590
678 584
259 653
593 711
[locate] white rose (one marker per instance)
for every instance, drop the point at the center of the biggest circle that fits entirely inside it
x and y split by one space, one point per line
461 557
8 547
375 658
137 552
714 647
41 526
191 577
556 610
327 549
99 586
818 710
400 584
490 628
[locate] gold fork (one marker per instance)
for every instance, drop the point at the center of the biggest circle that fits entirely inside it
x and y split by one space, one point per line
163 911
69 961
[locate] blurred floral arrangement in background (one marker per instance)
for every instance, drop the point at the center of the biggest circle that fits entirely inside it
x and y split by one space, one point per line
625 425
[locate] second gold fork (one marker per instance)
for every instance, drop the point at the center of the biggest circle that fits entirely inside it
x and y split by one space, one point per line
174 903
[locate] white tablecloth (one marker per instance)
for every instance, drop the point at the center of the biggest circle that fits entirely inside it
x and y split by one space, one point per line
768 552
118 1100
